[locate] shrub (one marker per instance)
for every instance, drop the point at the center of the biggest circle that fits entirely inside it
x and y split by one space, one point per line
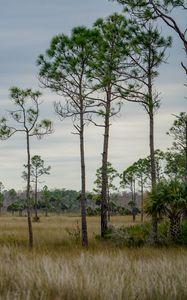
168 198
36 219
182 239
74 233
92 211
136 235
123 211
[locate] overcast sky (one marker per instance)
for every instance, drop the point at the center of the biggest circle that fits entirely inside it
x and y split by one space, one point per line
26 28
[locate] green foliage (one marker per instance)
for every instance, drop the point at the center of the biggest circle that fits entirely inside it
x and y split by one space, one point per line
139 173
65 68
182 239
65 198
178 132
148 49
175 165
12 194
169 165
132 236
140 234
36 219
123 211
113 47
129 177
151 10
45 192
37 168
18 205
147 10
5 131
164 235
26 115
74 233
112 174
168 199
93 211
59 200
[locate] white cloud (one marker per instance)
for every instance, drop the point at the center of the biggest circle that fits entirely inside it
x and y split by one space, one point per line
26 30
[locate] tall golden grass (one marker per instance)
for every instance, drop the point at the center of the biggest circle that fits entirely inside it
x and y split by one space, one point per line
58 267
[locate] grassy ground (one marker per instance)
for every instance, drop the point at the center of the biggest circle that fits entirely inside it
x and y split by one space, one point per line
58 268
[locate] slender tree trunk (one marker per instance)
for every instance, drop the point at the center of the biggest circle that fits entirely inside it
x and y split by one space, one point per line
142 201
83 183
185 174
28 194
186 151
134 200
152 150
108 202
133 217
151 144
36 200
104 206
153 177
46 212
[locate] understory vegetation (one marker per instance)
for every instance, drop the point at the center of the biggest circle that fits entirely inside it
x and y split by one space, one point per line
59 268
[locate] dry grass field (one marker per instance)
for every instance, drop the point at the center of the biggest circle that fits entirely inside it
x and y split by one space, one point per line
58 267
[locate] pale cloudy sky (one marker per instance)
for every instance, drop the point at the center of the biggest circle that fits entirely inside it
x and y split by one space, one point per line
26 28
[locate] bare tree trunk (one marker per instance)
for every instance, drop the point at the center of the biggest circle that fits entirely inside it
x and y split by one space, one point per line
152 150
36 200
46 212
28 194
142 202
83 183
151 145
134 200
186 151
133 217
108 202
104 206
153 175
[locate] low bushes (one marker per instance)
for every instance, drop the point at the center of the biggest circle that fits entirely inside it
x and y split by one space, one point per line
141 234
136 235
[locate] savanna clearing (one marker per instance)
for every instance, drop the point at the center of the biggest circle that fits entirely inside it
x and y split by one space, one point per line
58 267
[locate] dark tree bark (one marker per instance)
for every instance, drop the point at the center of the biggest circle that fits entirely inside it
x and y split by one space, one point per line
142 200
36 199
30 231
186 151
83 182
152 151
104 202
